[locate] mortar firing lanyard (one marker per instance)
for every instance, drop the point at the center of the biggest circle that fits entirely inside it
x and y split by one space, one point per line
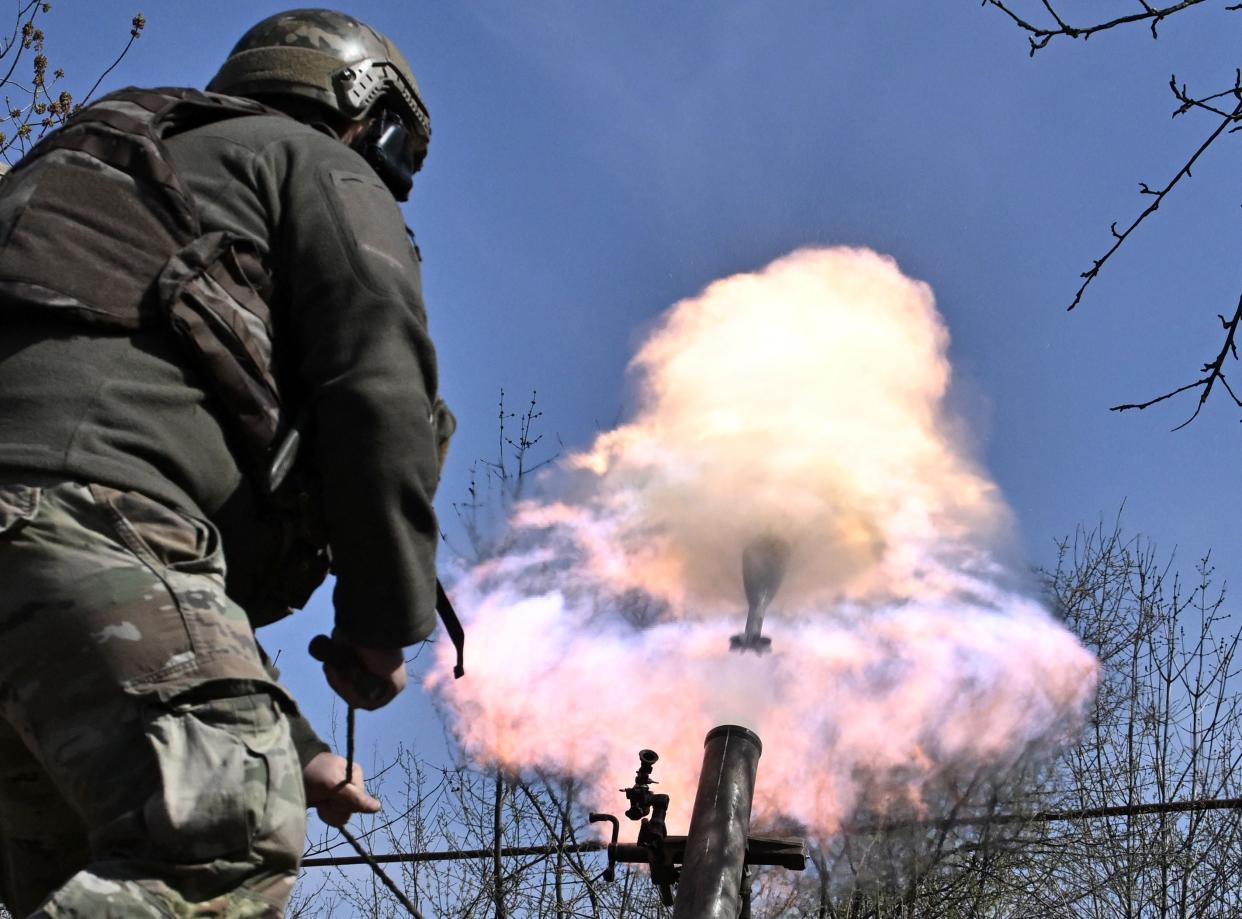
352 840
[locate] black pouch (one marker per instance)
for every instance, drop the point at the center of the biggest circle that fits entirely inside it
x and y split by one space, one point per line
213 292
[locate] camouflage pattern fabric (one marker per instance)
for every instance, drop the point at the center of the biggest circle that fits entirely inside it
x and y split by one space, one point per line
146 767
302 52
338 34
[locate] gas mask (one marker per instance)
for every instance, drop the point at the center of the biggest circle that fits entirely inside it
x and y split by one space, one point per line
394 152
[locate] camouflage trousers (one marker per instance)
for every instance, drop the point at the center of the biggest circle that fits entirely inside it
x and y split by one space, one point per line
146 767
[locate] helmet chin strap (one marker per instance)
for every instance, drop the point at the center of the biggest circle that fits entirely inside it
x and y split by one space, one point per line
392 151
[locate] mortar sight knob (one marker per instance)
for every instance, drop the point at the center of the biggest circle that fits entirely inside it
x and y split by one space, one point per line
648 757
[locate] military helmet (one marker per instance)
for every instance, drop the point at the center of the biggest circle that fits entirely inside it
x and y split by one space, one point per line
328 57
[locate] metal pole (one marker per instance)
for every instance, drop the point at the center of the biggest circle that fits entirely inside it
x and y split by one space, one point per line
715 859
455 855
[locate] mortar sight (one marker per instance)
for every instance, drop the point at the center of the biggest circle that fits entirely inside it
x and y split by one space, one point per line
713 862
640 795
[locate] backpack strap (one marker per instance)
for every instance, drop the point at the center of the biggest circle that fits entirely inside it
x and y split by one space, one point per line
100 194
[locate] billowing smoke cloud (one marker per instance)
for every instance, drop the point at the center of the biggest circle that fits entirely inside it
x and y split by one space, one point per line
805 400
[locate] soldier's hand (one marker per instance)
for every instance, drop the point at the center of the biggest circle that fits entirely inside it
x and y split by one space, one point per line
374 677
324 778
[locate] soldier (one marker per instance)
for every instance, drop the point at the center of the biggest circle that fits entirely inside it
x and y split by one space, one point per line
196 289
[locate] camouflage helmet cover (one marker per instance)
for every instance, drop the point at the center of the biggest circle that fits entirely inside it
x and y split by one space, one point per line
326 56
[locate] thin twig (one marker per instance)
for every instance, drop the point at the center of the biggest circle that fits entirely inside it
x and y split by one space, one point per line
1188 102
1039 36
1214 371
136 27
1157 197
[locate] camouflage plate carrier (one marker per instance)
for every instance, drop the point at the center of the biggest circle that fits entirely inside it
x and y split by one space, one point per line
144 262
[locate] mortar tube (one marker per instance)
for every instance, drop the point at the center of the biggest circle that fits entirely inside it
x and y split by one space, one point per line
715 858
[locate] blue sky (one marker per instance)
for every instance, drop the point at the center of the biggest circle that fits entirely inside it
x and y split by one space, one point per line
593 163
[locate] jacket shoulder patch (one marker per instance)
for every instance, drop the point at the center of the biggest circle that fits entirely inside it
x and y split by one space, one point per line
370 218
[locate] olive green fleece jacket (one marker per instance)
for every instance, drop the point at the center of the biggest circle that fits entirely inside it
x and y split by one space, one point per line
351 345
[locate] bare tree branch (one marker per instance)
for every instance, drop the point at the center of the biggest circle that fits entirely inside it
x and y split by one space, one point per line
137 24
1039 36
1157 196
1214 371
